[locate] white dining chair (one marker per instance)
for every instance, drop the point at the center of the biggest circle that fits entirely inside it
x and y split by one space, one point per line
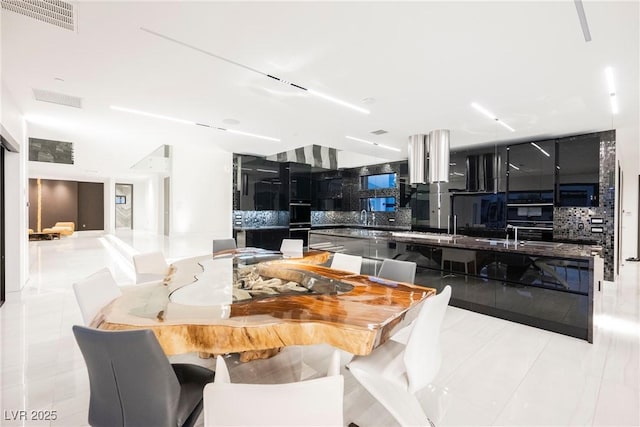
398 271
94 292
292 248
344 262
150 266
394 372
315 402
223 244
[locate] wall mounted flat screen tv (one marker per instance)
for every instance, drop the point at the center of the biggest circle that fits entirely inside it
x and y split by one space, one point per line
376 182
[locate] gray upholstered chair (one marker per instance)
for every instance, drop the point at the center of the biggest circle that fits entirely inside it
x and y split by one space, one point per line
132 382
398 271
223 244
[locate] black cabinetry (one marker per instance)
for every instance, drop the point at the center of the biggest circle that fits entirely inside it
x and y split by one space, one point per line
298 177
578 171
266 238
326 191
258 185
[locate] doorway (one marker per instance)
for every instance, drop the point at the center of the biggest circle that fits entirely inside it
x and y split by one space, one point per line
124 206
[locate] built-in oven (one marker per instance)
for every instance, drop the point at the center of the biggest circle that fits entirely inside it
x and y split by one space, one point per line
300 214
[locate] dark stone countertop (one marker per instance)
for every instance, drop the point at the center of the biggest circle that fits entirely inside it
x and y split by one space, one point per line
360 226
548 249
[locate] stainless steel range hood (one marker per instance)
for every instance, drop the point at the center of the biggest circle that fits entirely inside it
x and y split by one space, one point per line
433 147
417 150
439 155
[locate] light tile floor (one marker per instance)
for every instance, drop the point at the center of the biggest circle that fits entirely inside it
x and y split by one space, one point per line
494 372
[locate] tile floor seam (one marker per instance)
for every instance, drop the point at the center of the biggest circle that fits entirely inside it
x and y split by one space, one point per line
515 391
482 347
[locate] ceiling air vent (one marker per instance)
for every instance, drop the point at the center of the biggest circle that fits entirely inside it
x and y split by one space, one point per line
54 12
379 132
57 98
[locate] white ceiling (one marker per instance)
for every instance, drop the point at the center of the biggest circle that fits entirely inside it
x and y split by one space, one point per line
422 62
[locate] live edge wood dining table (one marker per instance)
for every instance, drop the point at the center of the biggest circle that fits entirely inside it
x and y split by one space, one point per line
197 307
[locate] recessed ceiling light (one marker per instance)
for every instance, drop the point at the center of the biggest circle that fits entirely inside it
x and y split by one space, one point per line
153 115
492 116
231 122
188 122
373 143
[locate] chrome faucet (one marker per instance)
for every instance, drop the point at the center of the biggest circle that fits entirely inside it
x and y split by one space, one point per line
515 233
363 216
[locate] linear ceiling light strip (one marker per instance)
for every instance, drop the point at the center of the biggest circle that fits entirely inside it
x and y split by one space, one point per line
246 67
612 90
189 122
373 143
492 116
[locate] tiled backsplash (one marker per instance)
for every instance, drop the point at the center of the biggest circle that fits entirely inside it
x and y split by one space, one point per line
575 223
253 219
401 218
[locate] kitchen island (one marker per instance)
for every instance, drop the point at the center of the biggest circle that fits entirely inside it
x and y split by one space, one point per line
549 285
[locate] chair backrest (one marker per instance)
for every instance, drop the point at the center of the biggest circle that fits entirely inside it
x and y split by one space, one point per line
316 402
223 244
398 271
350 263
94 292
150 266
131 380
422 354
292 248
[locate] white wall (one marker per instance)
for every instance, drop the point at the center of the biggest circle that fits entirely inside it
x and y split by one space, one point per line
201 198
16 196
146 204
628 156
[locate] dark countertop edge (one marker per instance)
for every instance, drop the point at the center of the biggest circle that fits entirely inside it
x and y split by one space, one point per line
262 227
463 242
